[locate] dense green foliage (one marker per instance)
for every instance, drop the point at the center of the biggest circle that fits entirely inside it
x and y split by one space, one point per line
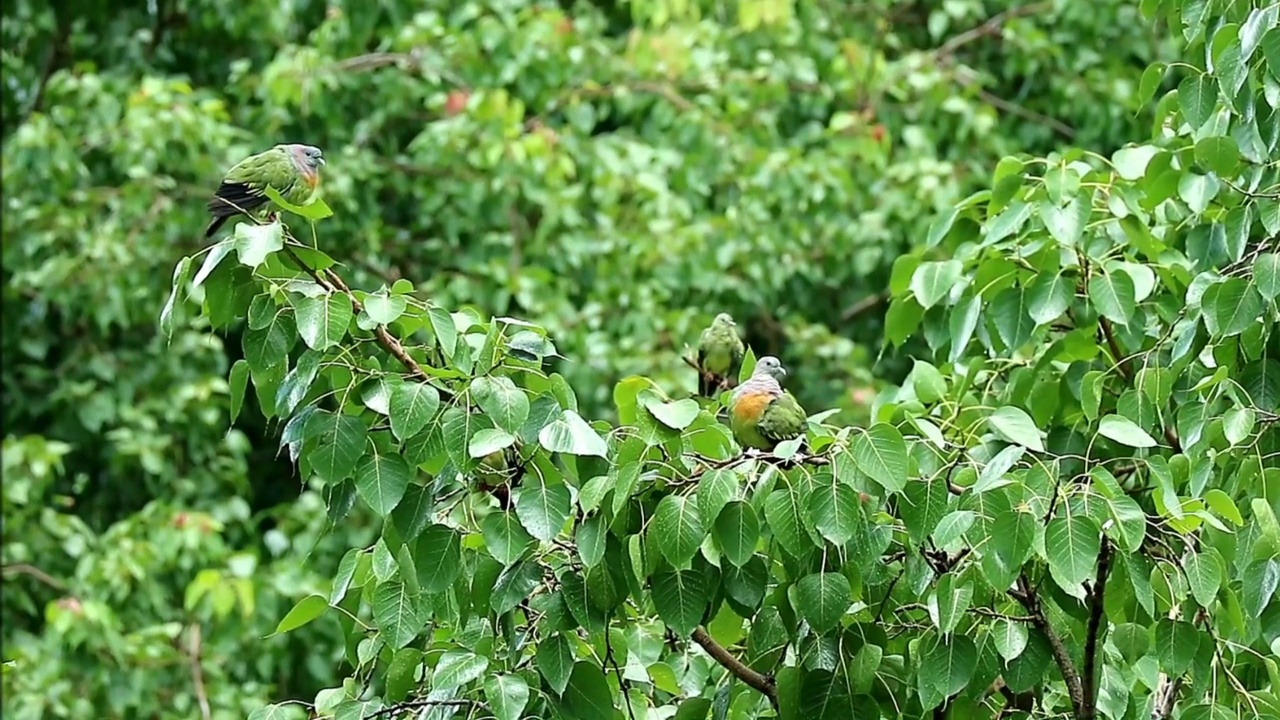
460 470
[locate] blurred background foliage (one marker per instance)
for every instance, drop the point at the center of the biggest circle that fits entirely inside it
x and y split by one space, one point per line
615 171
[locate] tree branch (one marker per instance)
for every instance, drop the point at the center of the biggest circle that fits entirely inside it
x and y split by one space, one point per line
1031 602
197 672
57 46
864 305
992 26
35 572
1097 593
1166 696
1025 113
408 705
764 683
623 685
331 281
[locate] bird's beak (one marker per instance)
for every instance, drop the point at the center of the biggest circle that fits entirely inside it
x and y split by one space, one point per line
322 161
782 370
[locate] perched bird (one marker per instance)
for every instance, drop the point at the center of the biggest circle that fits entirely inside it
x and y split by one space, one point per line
761 413
720 352
293 170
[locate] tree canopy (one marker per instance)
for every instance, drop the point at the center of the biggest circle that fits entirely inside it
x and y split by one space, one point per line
429 447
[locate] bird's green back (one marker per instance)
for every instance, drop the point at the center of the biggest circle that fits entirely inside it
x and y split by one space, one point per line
720 349
275 169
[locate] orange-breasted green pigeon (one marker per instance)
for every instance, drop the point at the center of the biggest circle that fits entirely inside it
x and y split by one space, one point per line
292 170
761 413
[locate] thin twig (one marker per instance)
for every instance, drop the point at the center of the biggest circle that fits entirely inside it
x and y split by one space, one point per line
992 26
623 685
985 612
386 339
35 572
1109 333
764 683
1025 113
864 305
888 593
57 46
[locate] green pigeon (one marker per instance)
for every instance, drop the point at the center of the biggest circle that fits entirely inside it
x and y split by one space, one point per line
720 352
761 413
293 170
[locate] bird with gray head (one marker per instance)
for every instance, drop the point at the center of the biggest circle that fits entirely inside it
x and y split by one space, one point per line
761 413
293 170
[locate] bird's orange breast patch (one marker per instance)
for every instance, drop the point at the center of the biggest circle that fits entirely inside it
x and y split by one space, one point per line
752 406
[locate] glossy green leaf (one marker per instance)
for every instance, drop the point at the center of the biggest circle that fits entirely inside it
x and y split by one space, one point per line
1015 426
932 281
542 509
680 597
570 434
502 401
1072 545
1124 431
412 405
821 599
322 321
307 609
737 531
677 529
881 453
397 613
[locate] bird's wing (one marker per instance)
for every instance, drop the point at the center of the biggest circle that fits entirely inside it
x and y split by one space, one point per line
242 188
783 419
704 343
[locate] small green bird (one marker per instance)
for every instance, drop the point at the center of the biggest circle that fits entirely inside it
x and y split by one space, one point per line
293 170
761 413
720 352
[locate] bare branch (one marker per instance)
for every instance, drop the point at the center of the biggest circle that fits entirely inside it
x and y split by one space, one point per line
35 572
623 685
992 26
407 705
1027 597
1166 696
764 683
866 304
1096 595
197 671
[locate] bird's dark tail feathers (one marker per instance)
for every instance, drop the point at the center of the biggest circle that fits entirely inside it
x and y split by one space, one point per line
214 225
710 384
